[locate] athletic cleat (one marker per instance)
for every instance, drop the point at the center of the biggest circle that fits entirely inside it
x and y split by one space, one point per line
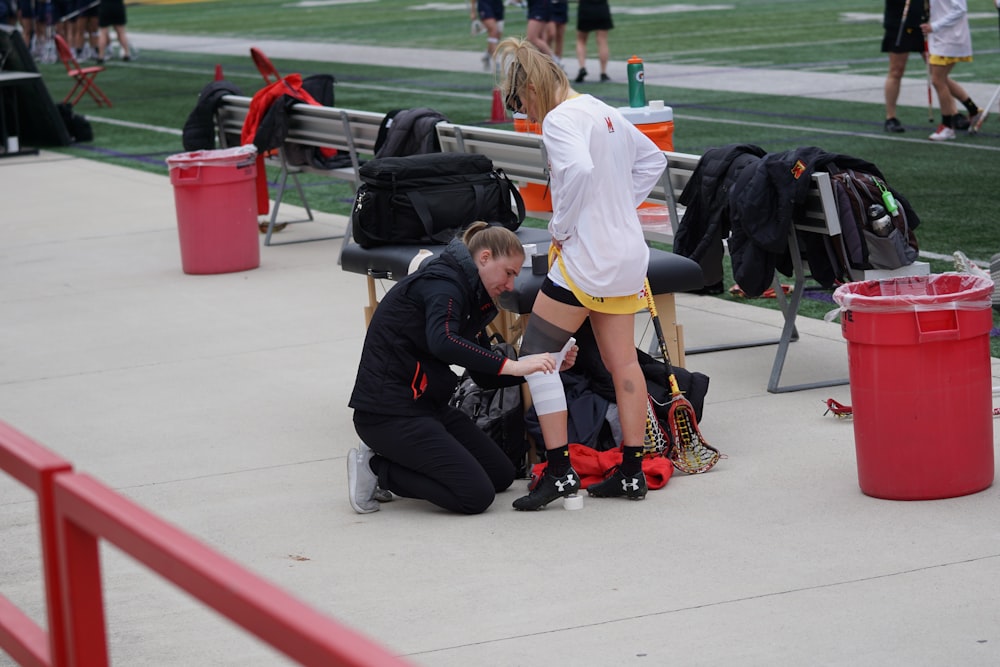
617 485
547 489
361 481
960 122
893 125
487 61
581 75
944 133
605 78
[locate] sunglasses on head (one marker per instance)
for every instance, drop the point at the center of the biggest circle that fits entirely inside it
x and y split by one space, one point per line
513 102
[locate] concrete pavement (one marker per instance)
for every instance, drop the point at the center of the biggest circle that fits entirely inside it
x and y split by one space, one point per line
219 403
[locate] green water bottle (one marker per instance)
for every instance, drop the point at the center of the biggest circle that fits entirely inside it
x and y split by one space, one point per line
636 83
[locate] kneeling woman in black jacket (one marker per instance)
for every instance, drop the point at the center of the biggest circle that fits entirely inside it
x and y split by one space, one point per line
420 447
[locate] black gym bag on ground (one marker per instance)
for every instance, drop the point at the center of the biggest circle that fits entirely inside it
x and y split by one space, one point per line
428 198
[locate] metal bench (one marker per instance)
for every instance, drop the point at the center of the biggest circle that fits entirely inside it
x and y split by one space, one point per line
349 131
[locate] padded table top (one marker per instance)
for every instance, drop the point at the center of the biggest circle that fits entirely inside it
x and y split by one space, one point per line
667 272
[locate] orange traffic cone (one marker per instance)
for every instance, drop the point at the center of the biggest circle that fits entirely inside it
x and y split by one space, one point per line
218 73
499 113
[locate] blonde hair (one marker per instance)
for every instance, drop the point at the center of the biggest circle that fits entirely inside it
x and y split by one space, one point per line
522 63
500 241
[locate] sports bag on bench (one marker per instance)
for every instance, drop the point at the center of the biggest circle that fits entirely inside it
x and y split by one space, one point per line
875 236
428 198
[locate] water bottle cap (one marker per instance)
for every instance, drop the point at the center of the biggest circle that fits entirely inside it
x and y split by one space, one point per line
634 60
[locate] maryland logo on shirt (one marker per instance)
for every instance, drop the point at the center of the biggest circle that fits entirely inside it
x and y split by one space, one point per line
798 169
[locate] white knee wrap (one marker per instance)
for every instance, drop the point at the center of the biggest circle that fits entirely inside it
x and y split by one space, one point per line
492 40
547 393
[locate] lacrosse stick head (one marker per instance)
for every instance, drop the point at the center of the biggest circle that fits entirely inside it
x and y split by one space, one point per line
690 453
655 440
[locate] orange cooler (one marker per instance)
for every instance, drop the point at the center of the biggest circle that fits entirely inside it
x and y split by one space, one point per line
654 120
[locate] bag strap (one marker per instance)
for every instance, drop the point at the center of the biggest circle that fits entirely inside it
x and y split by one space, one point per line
509 189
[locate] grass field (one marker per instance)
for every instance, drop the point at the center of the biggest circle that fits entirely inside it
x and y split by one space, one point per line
951 186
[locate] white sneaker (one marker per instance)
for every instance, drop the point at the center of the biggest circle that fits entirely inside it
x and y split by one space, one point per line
943 133
361 481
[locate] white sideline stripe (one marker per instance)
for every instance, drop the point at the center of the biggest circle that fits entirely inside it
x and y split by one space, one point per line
137 126
843 133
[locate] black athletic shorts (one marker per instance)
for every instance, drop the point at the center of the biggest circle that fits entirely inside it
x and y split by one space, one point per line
560 294
593 15
912 41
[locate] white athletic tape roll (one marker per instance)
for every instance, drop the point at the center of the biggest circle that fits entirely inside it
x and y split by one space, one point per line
561 355
530 250
573 502
418 260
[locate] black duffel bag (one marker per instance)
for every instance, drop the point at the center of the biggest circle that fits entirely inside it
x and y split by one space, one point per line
428 198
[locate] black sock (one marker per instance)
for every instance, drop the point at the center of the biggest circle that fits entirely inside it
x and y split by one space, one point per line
558 460
971 106
948 121
631 460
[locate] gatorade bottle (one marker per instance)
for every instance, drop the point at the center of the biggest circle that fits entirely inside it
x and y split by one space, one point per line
636 83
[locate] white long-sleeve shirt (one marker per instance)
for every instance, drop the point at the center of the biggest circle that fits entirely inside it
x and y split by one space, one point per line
950 34
602 167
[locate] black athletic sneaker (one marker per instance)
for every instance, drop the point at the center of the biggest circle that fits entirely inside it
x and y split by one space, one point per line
960 122
618 485
605 78
549 488
893 125
581 75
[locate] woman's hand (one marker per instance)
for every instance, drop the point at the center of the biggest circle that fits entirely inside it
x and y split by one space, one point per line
570 358
532 363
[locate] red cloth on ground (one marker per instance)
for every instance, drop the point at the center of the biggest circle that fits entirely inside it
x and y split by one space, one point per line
592 466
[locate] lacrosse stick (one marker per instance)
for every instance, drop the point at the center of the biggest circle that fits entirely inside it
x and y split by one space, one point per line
689 452
930 99
993 100
902 22
655 442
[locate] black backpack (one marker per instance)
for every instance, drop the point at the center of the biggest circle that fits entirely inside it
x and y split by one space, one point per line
874 236
408 132
429 198
498 412
78 126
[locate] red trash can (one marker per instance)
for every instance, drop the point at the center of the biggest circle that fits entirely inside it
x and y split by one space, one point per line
919 361
216 199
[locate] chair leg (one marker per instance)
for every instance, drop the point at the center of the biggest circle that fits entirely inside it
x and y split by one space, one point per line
790 309
279 196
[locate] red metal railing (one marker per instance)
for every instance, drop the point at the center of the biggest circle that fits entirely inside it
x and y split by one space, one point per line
77 511
35 467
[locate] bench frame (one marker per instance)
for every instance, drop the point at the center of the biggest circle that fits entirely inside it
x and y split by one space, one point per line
821 217
347 130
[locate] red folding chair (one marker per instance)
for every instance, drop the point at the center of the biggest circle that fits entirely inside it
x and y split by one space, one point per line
83 76
264 65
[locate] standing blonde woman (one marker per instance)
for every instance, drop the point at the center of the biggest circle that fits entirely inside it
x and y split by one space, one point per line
601 169
949 41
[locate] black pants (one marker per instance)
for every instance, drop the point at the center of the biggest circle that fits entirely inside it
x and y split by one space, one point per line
445 459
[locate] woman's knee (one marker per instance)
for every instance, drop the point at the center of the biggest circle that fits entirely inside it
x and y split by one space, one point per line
476 501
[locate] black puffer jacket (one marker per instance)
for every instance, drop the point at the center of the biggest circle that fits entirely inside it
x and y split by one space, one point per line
199 128
430 320
706 199
767 199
